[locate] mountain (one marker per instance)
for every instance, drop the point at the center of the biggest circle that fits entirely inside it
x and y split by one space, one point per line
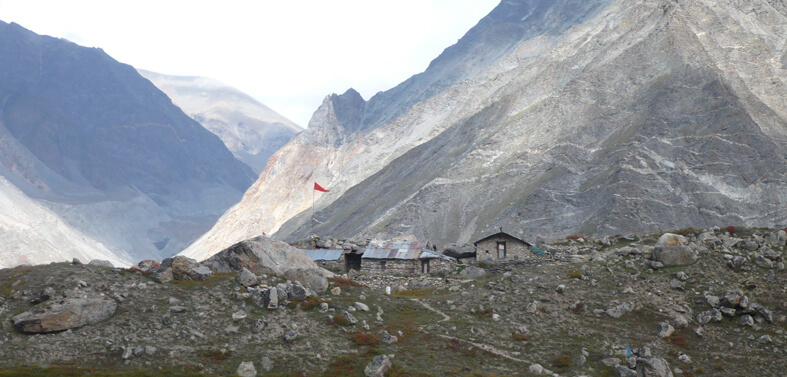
102 147
249 129
594 118
32 234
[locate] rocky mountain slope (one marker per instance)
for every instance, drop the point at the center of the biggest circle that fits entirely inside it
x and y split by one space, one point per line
602 119
98 144
653 114
707 302
349 139
32 234
251 130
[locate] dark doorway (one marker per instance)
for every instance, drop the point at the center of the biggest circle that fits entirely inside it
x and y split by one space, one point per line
352 261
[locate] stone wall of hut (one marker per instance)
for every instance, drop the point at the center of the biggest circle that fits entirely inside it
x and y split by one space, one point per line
516 250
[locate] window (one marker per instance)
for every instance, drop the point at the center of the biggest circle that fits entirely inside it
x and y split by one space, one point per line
501 250
382 265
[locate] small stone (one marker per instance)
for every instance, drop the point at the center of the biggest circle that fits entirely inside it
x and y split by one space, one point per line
289 336
536 369
621 371
684 358
150 350
336 291
267 364
680 322
177 309
127 353
747 320
764 339
682 276
610 361
361 306
665 330
246 369
561 288
246 278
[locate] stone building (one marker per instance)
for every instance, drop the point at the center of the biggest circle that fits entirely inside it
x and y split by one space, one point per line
503 247
405 259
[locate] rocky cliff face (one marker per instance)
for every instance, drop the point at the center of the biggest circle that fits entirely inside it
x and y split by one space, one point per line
102 147
249 129
629 116
349 139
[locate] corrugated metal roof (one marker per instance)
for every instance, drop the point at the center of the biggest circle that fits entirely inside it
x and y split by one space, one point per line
324 254
429 254
404 245
391 254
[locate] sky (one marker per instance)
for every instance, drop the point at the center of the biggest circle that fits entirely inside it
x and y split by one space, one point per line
287 54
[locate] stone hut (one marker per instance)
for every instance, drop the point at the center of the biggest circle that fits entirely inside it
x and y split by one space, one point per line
503 247
405 259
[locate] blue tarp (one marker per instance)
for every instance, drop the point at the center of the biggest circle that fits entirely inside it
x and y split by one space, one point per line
538 251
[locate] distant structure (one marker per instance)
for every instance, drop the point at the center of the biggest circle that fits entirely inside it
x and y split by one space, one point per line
389 258
503 247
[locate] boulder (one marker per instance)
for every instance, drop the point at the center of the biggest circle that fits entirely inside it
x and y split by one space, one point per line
262 255
247 278
199 273
246 369
619 310
147 265
310 278
378 366
473 272
266 364
621 371
671 239
459 251
536 369
674 255
102 263
267 298
64 314
665 330
162 274
296 291
653 367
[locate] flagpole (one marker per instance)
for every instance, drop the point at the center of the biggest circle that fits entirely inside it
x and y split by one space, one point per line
313 206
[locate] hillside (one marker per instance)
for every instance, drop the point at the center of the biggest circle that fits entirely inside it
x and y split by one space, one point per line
32 234
249 129
718 313
102 147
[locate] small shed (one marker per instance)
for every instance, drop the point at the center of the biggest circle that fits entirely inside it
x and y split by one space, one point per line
405 258
503 247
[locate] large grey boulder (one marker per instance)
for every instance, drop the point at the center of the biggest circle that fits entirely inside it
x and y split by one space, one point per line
653 367
246 369
64 314
378 366
670 239
674 255
473 272
310 278
459 250
102 263
246 278
262 255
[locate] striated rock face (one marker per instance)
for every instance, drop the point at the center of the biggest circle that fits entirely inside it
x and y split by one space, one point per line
106 150
350 139
605 118
262 255
66 314
249 129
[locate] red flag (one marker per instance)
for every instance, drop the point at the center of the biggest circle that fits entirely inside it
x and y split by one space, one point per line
319 188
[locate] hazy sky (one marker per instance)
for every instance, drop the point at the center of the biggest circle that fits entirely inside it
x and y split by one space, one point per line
287 54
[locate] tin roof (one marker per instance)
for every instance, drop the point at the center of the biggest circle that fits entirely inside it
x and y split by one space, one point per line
401 254
324 254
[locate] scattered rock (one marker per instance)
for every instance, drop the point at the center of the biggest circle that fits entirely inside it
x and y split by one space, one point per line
674 255
336 291
747 320
361 306
64 314
653 367
670 239
266 364
310 278
473 272
665 330
102 263
246 369
619 310
378 366
536 369
621 371
289 336
247 278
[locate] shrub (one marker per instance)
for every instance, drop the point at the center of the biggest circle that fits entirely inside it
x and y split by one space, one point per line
307 304
519 337
341 320
678 340
731 229
345 283
574 274
484 313
364 339
215 356
562 362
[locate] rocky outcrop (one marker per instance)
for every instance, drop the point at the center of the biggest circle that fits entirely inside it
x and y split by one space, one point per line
264 255
65 314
